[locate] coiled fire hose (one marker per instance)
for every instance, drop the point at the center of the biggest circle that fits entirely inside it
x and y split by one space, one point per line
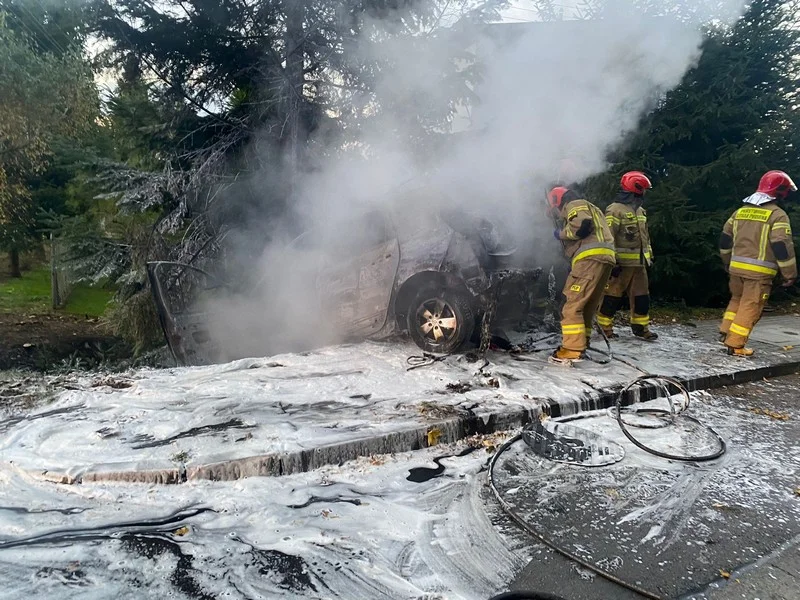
671 414
665 383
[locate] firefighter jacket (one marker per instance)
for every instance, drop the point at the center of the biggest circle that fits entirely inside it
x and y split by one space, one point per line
585 233
627 221
756 243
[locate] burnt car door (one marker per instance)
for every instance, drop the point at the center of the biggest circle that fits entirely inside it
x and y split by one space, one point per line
356 278
177 289
376 274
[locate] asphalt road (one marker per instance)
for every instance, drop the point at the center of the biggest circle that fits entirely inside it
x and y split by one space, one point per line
773 576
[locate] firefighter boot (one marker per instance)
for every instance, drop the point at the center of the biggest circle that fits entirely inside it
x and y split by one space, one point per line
722 337
740 352
644 333
565 357
605 317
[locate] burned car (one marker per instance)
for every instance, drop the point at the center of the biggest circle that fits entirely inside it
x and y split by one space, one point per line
367 279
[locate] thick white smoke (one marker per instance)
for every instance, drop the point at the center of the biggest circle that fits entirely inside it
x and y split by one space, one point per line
554 98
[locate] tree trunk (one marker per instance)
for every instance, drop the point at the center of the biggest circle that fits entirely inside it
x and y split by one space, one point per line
13 260
295 63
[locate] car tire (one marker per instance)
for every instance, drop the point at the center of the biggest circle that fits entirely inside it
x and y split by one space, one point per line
440 320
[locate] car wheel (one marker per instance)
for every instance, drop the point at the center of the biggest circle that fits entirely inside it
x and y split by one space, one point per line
440 320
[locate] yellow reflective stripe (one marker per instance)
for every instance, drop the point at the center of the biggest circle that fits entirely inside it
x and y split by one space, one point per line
605 321
735 264
729 316
598 225
574 212
785 226
611 219
739 330
593 252
630 256
787 263
642 219
762 248
640 321
573 329
753 214
735 231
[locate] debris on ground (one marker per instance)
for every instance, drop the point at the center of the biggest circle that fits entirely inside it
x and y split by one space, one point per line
492 382
778 416
113 382
437 411
44 342
433 436
459 387
181 457
490 442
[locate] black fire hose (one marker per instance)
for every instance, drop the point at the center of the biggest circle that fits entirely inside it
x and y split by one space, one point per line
670 413
665 382
609 354
511 513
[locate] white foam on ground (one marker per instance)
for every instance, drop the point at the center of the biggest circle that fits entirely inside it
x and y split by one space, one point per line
292 402
373 534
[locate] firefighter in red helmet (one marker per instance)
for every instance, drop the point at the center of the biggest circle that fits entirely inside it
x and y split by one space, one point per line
588 245
756 244
627 221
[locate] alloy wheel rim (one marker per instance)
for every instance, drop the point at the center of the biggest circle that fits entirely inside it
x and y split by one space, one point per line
437 321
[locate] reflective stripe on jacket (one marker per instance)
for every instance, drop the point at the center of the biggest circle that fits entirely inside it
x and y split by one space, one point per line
628 225
756 233
597 244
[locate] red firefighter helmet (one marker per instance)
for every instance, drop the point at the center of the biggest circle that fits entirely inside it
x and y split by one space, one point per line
776 184
635 182
555 197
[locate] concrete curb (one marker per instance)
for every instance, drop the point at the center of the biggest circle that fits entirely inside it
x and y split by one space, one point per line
606 398
415 438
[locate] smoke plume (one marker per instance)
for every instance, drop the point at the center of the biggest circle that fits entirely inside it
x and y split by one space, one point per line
553 99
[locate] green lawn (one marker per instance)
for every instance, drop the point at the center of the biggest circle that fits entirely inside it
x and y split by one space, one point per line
31 294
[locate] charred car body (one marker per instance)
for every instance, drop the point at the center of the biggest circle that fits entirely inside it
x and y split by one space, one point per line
435 282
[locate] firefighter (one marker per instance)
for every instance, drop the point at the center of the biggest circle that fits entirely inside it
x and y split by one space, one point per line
627 221
588 244
756 244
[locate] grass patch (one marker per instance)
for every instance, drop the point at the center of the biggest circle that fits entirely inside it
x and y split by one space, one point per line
28 294
31 295
90 301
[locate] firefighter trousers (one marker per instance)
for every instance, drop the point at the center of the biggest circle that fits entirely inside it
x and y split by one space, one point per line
632 281
748 297
583 292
